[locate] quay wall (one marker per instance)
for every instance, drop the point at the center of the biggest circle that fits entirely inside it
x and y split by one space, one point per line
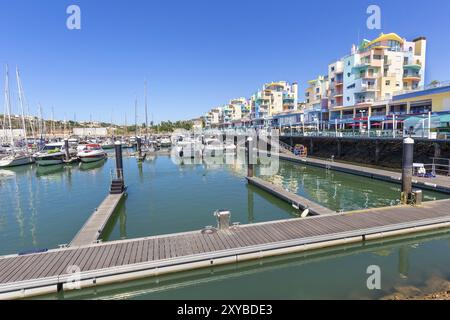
379 152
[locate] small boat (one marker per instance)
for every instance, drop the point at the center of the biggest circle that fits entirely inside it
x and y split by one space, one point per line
16 159
166 142
51 154
92 153
109 144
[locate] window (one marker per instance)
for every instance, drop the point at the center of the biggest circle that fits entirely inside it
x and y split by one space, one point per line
349 74
348 98
388 82
348 63
332 69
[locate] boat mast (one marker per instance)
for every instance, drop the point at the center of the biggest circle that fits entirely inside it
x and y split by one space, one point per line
8 107
146 110
135 118
19 87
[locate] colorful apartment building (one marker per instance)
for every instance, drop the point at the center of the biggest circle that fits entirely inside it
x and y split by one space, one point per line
275 97
373 72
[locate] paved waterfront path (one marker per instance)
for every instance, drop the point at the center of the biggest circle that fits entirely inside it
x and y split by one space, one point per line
440 183
93 228
136 258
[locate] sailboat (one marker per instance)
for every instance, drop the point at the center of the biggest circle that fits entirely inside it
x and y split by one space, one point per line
17 156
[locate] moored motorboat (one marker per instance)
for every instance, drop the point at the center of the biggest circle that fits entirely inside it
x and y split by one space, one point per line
92 153
51 154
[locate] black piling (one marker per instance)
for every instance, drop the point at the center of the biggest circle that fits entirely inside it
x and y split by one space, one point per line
249 150
119 160
407 170
66 149
117 183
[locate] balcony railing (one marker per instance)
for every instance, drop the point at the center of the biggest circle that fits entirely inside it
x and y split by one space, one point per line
427 87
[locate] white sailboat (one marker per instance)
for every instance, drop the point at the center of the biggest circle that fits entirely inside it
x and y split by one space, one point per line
17 156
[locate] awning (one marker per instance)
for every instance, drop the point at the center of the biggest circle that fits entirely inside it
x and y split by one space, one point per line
445 118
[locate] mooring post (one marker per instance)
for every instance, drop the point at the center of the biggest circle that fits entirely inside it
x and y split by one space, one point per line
249 150
119 160
407 170
66 149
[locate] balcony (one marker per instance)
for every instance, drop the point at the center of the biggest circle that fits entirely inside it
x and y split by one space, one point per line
363 102
412 77
338 94
412 66
368 88
369 76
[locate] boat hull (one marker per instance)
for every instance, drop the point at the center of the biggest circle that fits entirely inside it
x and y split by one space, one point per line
89 159
50 160
8 163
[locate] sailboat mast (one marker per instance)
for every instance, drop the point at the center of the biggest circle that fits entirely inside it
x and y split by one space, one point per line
8 106
146 110
135 117
19 87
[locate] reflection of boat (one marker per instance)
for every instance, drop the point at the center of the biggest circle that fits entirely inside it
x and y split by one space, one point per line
7 174
46 170
92 153
16 159
85 166
51 154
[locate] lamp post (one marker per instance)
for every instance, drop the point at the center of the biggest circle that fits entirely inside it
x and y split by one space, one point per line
362 117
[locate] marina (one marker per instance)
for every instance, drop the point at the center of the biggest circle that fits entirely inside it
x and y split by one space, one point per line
145 163
101 260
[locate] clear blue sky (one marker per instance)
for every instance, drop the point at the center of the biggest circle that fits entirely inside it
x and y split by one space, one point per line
195 54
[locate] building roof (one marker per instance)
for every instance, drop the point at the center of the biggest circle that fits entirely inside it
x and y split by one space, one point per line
385 37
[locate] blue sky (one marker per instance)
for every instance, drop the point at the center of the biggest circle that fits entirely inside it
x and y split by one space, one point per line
195 54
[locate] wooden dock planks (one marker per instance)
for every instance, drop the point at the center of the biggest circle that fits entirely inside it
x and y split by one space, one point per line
93 228
163 249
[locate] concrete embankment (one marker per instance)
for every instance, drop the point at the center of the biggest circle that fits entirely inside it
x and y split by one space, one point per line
380 152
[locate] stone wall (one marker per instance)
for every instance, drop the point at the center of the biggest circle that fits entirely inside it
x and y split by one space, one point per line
380 152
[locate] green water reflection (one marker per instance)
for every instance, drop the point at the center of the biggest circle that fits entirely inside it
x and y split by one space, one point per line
339 191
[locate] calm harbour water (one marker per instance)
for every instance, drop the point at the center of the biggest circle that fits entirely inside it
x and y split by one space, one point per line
45 207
